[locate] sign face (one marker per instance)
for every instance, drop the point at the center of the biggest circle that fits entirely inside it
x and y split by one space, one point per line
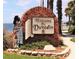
41 25
27 29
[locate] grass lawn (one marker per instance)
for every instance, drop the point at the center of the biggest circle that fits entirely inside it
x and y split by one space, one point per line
14 56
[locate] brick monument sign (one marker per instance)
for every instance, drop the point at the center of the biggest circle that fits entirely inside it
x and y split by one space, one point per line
40 23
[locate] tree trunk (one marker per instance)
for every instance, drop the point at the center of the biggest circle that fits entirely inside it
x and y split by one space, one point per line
59 8
50 4
69 23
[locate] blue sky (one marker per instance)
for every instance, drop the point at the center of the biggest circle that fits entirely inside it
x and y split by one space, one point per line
18 7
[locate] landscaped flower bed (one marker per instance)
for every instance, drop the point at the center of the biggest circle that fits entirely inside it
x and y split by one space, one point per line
41 52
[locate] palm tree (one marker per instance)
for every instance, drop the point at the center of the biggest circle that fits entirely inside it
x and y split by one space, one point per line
50 4
59 8
70 12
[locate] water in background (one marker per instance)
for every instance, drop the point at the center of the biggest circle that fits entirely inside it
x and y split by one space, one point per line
8 26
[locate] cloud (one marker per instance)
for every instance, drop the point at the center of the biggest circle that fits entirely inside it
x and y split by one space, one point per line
4 2
22 2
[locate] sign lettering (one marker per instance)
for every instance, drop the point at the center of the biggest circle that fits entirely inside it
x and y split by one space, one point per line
41 25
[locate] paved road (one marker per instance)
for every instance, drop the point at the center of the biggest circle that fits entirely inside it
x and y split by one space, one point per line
70 44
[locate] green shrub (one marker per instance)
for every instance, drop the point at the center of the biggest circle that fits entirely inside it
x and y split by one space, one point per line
40 44
35 45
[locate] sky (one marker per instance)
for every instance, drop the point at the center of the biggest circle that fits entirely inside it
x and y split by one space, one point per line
18 7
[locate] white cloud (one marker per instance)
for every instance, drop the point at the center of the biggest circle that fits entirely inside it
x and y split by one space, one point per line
23 2
4 1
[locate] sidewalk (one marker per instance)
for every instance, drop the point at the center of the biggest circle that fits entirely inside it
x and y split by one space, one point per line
71 45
